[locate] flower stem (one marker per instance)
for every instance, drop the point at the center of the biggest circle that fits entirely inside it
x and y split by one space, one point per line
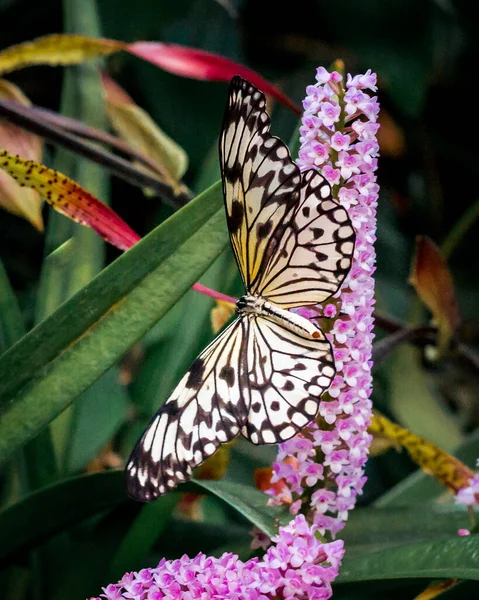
460 228
202 289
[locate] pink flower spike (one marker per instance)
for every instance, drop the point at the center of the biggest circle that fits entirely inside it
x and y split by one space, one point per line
340 434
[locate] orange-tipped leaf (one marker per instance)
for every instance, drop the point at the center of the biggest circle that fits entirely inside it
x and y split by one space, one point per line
70 199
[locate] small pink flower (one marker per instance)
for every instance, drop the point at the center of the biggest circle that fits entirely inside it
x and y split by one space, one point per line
333 176
329 113
322 75
340 141
469 495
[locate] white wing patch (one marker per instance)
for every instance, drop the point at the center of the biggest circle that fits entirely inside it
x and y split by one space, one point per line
260 181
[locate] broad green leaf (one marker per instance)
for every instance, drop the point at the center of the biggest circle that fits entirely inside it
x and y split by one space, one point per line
97 416
67 352
370 529
56 507
454 557
151 522
167 360
412 397
87 495
250 502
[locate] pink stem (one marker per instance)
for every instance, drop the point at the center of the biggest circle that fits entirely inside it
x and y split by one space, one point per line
202 289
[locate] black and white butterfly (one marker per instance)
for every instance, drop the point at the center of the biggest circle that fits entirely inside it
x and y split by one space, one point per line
264 374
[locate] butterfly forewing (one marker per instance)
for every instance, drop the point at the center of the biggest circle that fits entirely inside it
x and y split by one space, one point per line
315 252
260 181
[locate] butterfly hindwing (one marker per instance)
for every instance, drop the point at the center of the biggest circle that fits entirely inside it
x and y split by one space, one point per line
202 412
315 252
287 373
260 181
256 378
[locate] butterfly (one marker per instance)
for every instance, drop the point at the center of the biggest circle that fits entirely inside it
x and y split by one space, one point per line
263 376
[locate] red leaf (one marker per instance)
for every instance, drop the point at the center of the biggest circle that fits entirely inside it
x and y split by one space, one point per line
200 64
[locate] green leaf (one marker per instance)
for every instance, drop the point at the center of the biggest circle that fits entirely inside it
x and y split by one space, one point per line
102 409
369 529
68 351
51 509
57 507
454 557
248 501
167 360
11 322
412 397
150 523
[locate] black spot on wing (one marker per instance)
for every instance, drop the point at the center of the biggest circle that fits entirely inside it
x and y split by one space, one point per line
235 218
195 374
228 374
264 229
317 232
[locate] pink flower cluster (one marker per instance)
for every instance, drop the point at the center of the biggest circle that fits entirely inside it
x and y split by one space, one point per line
297 566
338 138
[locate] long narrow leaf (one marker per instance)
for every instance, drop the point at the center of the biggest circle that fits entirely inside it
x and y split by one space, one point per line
66 353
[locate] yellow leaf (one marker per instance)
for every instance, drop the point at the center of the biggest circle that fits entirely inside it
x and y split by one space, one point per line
220 314
433 282
436 589
70 199
57 49
444 467
139 130
22 202
215 466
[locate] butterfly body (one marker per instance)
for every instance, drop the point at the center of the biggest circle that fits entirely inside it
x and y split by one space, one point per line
264 375
262 307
